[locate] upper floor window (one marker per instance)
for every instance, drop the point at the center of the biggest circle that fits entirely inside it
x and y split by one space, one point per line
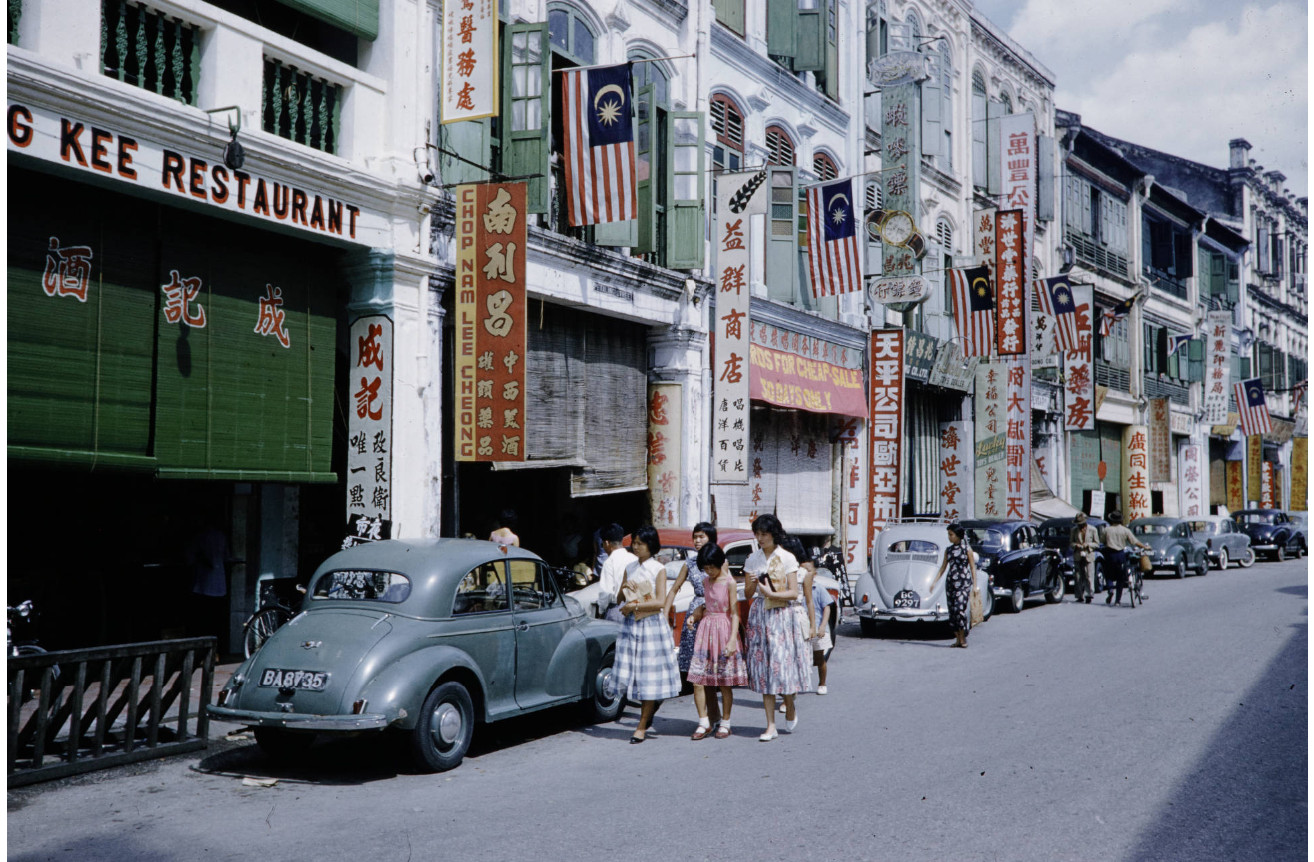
570 35
1007 102
824 167
780 148
731 14
643 74
728 126
980 149
878 30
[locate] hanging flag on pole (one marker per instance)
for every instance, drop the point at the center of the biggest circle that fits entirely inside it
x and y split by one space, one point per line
1113 315
1175 342
1055 295
974 309
833 239
597 122
1254 410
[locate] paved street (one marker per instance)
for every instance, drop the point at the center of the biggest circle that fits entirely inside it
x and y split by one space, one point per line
1173 731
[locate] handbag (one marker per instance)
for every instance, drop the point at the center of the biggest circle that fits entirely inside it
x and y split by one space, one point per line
978 610
779 580
1146 565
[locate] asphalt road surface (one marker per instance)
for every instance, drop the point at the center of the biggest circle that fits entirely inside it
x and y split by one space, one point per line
1175 731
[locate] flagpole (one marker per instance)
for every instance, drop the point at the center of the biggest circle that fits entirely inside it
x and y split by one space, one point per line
627 62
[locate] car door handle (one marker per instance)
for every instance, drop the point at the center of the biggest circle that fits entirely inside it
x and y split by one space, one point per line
522 626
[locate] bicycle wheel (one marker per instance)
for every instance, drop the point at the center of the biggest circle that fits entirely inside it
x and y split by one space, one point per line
260 626
1134 594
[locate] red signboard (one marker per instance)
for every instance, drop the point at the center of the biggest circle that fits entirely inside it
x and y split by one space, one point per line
1010 283
885 428
789 380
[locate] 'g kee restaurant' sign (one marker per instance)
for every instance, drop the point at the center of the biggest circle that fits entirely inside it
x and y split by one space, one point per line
82 146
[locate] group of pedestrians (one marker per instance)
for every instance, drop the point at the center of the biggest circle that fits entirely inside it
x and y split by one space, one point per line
784 634
1085 540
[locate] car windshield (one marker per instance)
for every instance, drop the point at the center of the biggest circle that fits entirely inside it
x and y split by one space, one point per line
1206 527
365 586
983 537
1152 529
1254 518
1056 531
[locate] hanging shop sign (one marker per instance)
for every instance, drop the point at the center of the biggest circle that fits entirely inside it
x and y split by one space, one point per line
1300 474
1010 291
1192 499
738 198
1017 172
469 61
1160 441
1136 472
908 288
952 370
919 356
886 428
849 434
990 427
1017 464
897 68
1254 457
1266 495
1218 325
1079 367
1235 486
490 322
369 429
983 235
804 373
901 131
956 471
1180 423
665 453
176 174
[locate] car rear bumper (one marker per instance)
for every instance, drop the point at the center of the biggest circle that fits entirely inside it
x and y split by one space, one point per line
906 615
299 721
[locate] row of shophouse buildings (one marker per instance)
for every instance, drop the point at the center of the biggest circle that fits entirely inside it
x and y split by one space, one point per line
235 248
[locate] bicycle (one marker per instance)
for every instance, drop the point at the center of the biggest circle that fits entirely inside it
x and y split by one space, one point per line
273 614
1135 576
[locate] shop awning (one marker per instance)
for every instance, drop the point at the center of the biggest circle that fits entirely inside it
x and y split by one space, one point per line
1043 502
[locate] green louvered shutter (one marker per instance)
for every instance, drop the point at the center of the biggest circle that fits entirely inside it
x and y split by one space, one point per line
472 140
527 108
782 28
832 49
360 17
810 44
731 14
1195 352
994 151
685 172
782 255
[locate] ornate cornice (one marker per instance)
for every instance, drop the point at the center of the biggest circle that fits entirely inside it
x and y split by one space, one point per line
999 48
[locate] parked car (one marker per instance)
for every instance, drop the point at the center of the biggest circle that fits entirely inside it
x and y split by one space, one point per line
425 638
1271 532
1174 546
1300 520
1056 533
1017 561
897 587
1223 541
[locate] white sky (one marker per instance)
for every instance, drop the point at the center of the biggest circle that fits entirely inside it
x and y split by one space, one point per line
1181 76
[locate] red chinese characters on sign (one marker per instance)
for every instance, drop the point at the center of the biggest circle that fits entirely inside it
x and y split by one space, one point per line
369 429
272 318
1079 371
1160 441
664 453
1010 278
468 59
68 270
1191 475
1017 444
1136 472
1266 496
849 434
180 300
1218 338
885 429
957 493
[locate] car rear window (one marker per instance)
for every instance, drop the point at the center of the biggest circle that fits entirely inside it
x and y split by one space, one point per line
913 549
363 586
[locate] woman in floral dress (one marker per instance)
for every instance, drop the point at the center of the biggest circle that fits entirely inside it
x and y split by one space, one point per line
961 564
779 656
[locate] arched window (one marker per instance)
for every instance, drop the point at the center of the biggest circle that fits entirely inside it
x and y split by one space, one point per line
643 74
1007 102
824 167
780 149
979 102
874 196
571 34
728 126
944 234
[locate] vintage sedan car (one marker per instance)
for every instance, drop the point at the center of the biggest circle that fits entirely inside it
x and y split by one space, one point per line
1271 532
1019 564
1056 533
897 586
426 638
1224 543
1174 546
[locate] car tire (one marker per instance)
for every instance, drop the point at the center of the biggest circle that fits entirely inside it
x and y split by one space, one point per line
446 725
1098 578
870 628
1054 595
1018 599
605 704
1203 568
1179 571
1280 555
987 604
1248 560
1300 550
281 745
1222 559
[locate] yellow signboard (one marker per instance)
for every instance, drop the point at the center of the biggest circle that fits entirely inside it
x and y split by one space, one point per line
1299 474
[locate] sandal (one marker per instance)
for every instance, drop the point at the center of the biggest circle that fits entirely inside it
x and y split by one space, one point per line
722 730
701 732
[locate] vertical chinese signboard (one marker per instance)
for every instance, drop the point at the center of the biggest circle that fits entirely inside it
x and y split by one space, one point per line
490 322
849 435
369 430
1079 372
1010 269
1135 473
956 471
1254 457
886 428
901 134
1217 328
469 71
1235 487
1190 480
991 425
983 235
1266 485
664 453
738 197
1299 474
1160 441
1017 140
1017 464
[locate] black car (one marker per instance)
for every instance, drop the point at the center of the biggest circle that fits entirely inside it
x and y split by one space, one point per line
1017 561
1056 533
1271 532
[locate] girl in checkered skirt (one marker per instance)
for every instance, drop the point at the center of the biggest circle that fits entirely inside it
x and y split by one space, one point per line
646 668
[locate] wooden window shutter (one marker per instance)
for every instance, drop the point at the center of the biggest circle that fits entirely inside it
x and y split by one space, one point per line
527 108
810 47
1184 257
782 28
731 14
1195 354
360 17
933 112
685 191
780 149
994 161
782 239
1045 178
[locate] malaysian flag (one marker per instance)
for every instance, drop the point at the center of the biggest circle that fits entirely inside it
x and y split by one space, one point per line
1113 315
1055 295
1177 342
974 309
833 239
599 136
1254 410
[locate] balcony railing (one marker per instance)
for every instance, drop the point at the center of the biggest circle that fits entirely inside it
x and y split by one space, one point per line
1112 376
1091 252
1178 393
300 106
148 49
1165 283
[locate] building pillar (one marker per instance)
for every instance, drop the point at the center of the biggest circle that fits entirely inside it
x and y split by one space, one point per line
679 355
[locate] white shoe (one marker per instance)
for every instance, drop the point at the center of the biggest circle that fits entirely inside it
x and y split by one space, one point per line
768 736
781 708
821 689
790 725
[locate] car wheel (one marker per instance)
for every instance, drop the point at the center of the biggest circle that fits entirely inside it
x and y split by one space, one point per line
283 746
987 604
870 628
606 703
1248 560
1018 598
1280 555
1055 593
1300 550
1222 560
1098 578
446 726
1203 568
1180 569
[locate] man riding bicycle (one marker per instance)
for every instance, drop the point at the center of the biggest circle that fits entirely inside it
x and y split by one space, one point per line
1116 540
1084 539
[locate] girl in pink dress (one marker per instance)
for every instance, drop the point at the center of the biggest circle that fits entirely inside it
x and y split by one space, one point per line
717 660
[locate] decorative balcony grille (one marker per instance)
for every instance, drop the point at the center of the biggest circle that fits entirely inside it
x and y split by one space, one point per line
1091 252
148 49
1178 393
300 106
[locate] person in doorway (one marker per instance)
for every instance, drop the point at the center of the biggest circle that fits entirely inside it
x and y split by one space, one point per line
206 556
716 661
779 656
504 529
1085 539
960 562
645 668
1117 538
613 571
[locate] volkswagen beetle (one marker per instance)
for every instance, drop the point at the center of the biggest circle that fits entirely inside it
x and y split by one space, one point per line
897 586
1173 545
425 638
